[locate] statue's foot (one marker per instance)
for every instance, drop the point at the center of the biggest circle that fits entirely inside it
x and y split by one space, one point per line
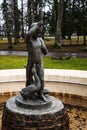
45 91
42 97
23 95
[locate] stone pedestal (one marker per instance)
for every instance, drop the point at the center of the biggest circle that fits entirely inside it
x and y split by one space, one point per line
49 115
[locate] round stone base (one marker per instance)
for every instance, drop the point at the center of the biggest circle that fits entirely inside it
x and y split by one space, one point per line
50 117
35 103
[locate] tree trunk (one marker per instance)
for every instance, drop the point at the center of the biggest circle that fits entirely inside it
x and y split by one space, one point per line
77 39
58 36
84 41
9 40
69 38
7 24
16 22
22 19
8 30
30 12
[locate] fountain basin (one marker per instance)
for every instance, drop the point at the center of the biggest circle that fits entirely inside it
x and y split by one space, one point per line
69 86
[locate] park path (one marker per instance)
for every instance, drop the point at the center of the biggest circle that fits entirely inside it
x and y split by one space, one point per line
51 54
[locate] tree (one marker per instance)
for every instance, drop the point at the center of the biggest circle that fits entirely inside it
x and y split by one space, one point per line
58 36
84 20
8 21
16 22
22 17
53 21
30 12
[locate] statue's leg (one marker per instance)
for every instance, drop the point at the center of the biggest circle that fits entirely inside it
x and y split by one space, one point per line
40 93
40 72
28 74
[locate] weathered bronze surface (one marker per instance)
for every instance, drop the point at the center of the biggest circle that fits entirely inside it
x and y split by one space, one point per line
36 48
35 103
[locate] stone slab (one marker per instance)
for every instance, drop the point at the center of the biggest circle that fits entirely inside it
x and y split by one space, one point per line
77 76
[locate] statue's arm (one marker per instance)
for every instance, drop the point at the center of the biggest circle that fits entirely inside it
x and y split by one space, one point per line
35 27
43 47
32 30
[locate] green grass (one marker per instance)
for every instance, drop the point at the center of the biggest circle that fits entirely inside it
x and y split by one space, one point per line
15 62
73 63
12 62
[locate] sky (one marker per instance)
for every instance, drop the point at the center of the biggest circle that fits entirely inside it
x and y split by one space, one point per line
1 18
1 1
19 3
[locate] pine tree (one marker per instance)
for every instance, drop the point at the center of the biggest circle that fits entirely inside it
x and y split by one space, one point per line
8 21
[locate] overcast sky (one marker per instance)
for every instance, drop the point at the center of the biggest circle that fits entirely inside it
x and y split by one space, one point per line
19 3
1 1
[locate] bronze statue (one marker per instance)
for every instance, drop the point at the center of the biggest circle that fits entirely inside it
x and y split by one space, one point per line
36 48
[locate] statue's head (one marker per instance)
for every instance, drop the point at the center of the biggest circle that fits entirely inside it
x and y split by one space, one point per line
38 32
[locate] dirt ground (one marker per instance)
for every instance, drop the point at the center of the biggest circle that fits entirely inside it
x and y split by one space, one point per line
21 46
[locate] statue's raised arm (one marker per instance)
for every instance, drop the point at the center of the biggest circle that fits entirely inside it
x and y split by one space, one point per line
34 27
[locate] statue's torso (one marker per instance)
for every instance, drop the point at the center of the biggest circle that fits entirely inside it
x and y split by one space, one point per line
35 53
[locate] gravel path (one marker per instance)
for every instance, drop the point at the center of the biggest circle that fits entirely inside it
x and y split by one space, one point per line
51 54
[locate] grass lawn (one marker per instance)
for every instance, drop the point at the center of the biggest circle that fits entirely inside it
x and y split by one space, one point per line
18 62
14 62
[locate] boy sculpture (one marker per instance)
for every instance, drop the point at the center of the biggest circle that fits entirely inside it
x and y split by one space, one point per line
36 48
